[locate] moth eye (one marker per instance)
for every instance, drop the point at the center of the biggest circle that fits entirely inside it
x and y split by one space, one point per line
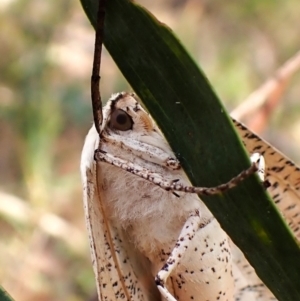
120 120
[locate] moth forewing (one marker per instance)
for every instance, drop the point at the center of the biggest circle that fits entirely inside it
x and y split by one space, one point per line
284 179
120 271
282 174
248 286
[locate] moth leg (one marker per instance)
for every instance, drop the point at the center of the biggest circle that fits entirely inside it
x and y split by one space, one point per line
187 233
256 157
144 151
174 185
133 168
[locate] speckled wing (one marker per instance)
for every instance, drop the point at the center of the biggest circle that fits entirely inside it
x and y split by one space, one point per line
284 177
121 272
281 172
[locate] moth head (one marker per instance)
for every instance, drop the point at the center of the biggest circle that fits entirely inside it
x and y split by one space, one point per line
124 115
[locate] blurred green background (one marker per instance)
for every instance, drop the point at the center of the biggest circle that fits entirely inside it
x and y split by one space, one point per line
46 50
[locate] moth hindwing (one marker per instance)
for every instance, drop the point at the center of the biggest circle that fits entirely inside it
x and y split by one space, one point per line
140 232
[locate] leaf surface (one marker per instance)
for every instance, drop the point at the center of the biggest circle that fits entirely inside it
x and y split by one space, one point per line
195 123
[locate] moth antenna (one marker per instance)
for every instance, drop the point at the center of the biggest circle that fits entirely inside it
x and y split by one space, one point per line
95 78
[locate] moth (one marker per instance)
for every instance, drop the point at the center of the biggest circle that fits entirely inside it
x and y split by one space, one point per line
150 239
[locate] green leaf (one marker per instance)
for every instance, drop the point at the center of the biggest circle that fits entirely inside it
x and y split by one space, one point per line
196 125
4 296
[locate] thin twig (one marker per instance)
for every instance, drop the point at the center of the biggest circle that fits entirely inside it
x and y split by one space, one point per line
265 99
95 79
